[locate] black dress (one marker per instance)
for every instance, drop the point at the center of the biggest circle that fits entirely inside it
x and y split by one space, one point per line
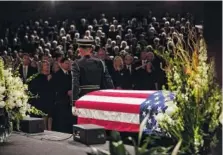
41 86
117 77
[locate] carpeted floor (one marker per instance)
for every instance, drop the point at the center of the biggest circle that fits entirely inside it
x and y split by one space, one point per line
47 143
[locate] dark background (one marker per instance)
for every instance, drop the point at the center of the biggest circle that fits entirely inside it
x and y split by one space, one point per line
208 12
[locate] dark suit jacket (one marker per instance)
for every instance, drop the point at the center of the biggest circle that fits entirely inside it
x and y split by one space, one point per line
145 80
127 83
61 84
62 115
31 71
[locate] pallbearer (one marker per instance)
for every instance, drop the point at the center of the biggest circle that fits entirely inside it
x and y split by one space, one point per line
88 73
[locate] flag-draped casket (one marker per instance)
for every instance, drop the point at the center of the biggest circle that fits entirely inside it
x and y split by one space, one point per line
121 110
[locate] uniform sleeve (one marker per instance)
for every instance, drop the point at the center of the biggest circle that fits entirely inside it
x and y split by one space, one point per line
75 81
107 82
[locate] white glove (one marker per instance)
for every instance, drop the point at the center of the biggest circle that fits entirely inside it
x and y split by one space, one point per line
74 111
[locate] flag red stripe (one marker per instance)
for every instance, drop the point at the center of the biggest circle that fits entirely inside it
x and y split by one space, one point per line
111 125
106 106
119 94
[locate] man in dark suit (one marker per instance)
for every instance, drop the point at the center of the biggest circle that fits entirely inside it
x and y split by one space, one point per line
26 70
61 84
128 72
139 67
101 54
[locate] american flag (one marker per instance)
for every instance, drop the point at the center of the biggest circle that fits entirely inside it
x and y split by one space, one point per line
121 110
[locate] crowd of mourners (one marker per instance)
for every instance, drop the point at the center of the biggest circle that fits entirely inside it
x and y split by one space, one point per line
125 45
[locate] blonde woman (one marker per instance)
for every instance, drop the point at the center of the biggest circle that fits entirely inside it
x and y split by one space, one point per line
41 86
117 73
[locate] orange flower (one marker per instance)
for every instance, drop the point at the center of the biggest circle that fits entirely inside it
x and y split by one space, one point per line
187 70
195 60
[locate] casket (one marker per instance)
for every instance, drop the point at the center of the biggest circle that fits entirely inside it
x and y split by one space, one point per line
121 110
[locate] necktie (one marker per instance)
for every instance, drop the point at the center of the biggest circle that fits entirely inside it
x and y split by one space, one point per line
129 69
25 72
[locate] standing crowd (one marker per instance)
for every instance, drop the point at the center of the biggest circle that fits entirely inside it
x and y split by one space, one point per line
43 53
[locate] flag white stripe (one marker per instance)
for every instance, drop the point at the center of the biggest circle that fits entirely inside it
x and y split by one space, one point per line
129 91
109 99
108 115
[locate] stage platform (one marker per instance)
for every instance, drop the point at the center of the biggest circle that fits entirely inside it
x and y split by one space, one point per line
47 143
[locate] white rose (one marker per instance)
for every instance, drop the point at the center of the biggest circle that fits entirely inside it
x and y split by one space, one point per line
2 104
22 111
18 94
25 101
1 97
28 106
10 100
11 105
2 90
19 103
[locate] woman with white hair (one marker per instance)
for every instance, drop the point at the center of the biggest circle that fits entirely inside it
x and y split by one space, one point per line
118 40
62 32
112 32
91 29
120 30
123 45
88 35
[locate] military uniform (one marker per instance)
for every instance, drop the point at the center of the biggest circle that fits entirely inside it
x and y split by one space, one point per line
89 74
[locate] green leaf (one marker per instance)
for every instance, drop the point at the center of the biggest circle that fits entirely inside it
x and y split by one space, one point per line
135 145
115 136
142 125
118 148
177 148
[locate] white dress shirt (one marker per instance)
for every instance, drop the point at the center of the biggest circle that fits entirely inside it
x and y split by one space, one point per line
129 68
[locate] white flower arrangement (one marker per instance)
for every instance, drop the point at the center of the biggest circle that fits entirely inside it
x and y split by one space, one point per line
14 95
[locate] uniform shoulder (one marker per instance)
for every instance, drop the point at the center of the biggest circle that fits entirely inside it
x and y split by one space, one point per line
96 59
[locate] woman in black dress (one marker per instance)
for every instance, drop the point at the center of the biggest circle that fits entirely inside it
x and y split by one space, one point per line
41 87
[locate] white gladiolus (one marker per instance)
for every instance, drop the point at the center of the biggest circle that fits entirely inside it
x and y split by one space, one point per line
171 109
2 104
168 119
159 117
169 103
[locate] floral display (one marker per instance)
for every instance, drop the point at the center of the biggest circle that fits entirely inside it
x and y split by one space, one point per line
14 98
193 117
